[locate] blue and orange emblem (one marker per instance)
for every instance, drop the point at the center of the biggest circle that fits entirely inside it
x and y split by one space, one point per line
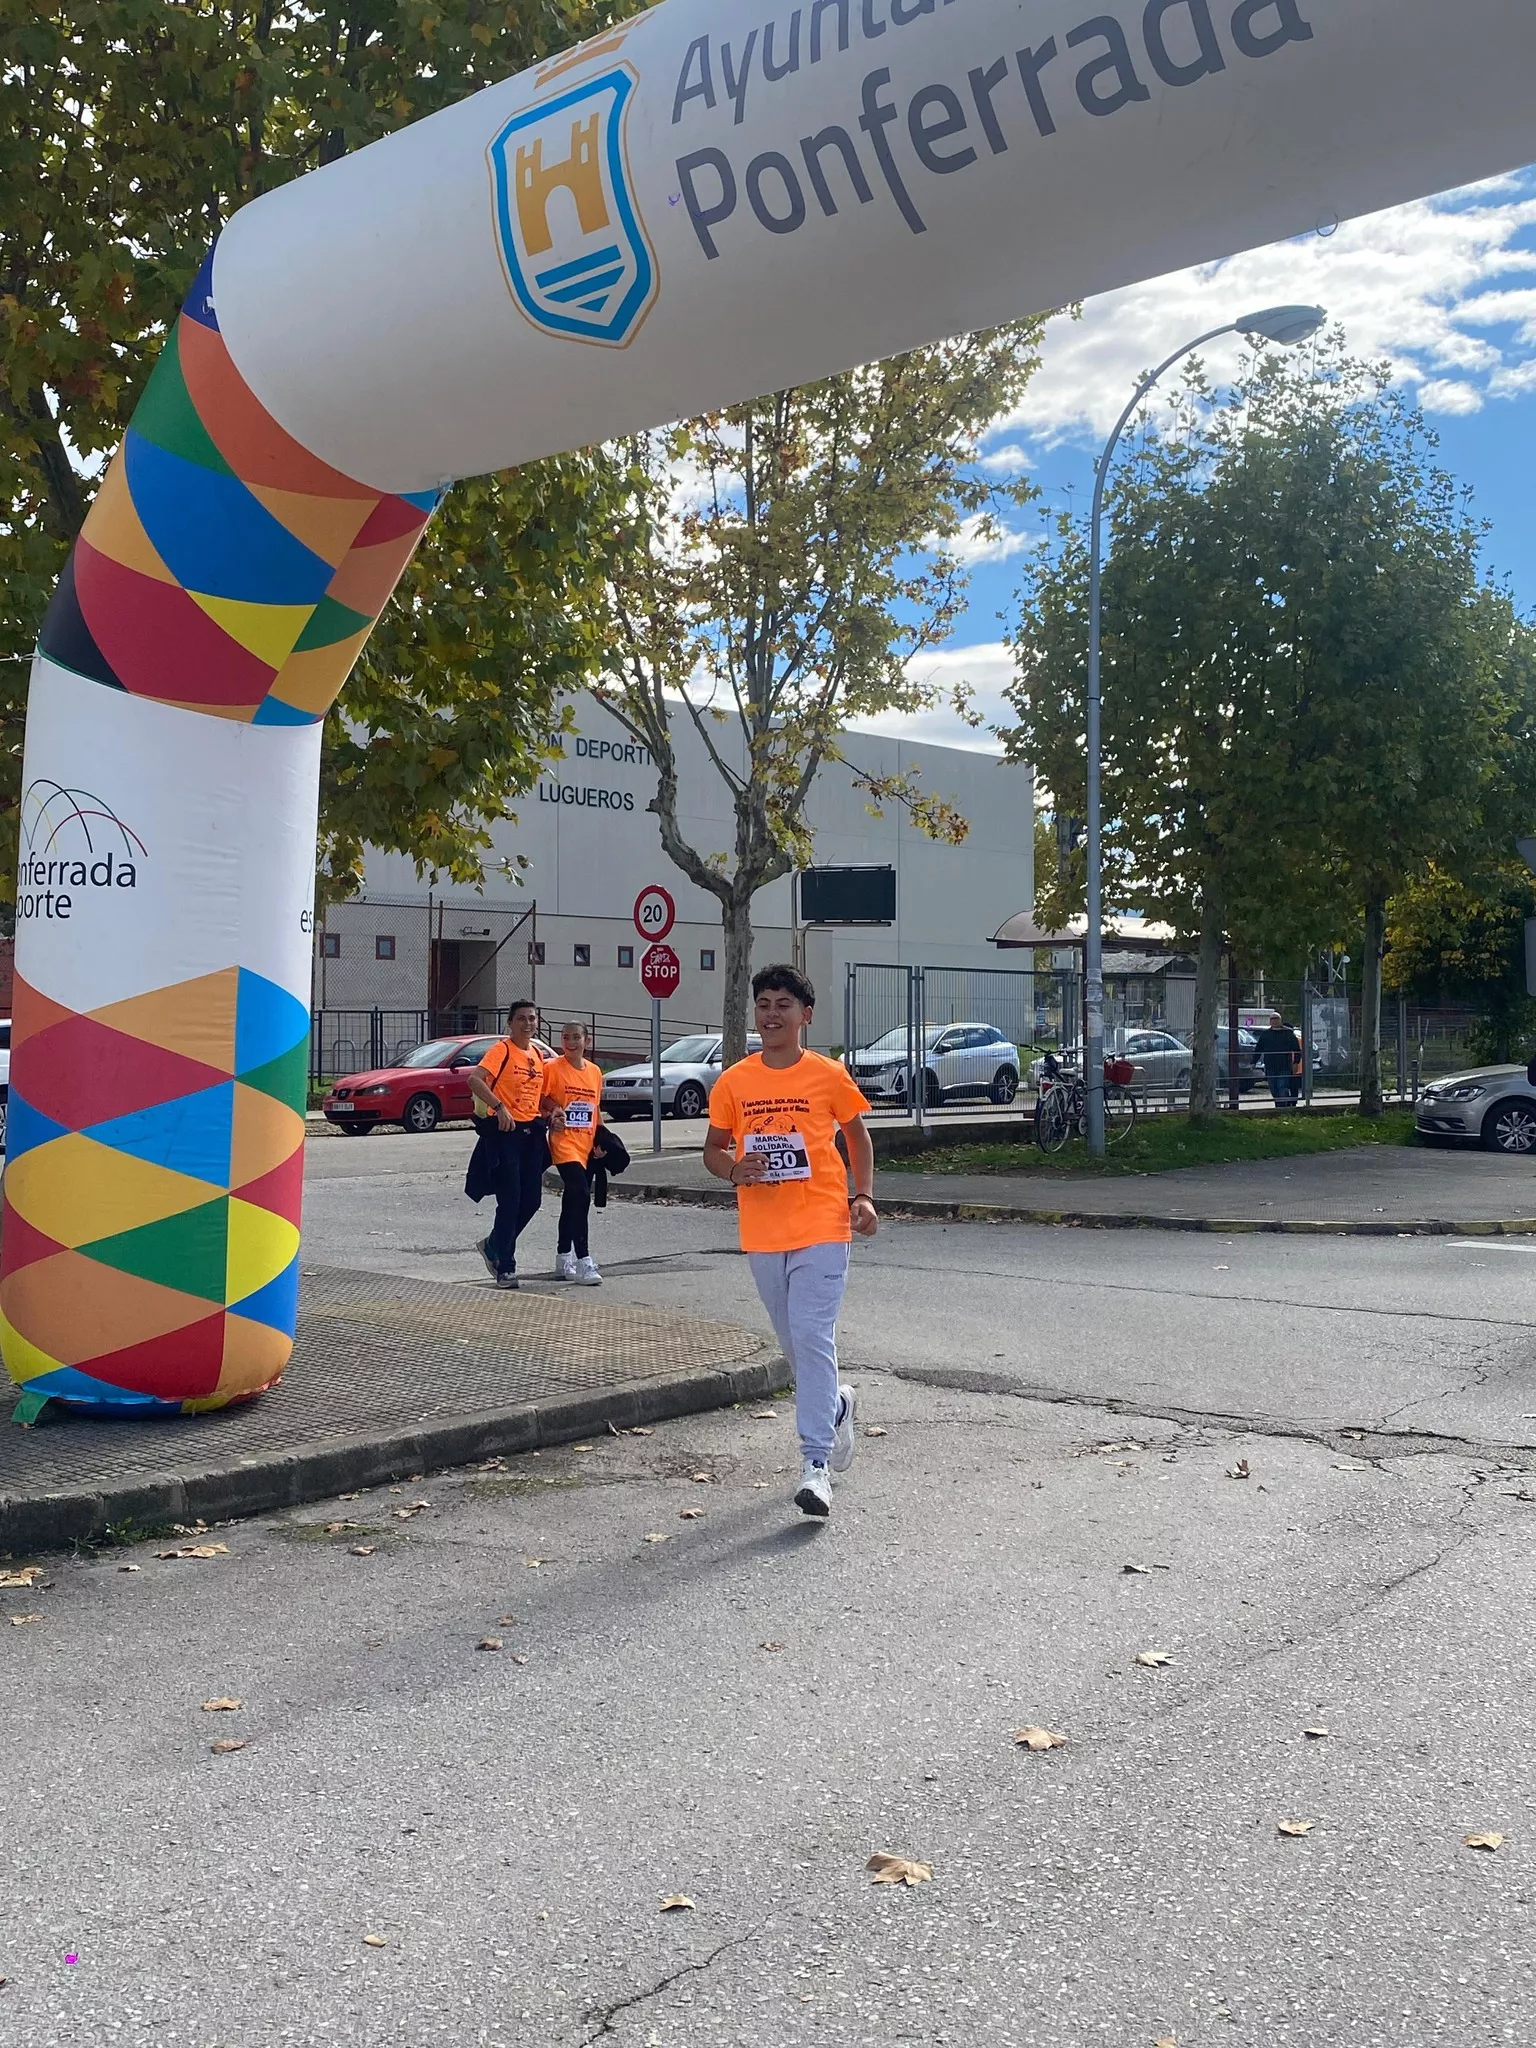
571 240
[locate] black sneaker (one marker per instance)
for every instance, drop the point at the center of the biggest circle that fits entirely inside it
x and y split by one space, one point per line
506 1283
484 1249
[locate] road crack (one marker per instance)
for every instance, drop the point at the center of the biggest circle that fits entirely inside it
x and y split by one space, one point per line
606 2015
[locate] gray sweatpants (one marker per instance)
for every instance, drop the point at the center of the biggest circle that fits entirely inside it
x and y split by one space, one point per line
802 1292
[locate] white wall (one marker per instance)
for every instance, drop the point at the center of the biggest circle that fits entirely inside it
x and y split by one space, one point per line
591 845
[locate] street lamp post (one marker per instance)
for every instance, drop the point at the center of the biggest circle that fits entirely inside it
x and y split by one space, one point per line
1286 325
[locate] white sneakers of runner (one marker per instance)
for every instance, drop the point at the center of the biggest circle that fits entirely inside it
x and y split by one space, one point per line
842 1437
565 1265
814 1495
586 1274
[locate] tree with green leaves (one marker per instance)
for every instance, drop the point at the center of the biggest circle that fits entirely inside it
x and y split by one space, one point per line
1302 699
791 557
1452 941
130 130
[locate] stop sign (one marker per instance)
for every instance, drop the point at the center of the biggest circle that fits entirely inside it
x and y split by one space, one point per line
660 971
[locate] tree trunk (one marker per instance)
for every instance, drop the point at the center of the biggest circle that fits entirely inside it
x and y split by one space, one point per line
1203 1075
736 923
1370 1004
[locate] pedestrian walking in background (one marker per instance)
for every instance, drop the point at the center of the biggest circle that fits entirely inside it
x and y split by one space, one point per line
1280 1049
513 1148
773 1124
573 1085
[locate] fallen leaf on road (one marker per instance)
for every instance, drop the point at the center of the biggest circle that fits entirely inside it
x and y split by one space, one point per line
533 1563
1239 1470
678 1903
580 1450
362 1550
221 1706
640 1432
338 1528
1166 2041
518 1660
1296 1827
764 1415
1489 1842
1353 1436
21 1620
23 1575
1144 1570
700 1478
1349 1465
197 1550
770 1646
489 1643
1153 1658
897 1870
374 1941
877 1431
1039 1739
130 1567
226 1745
1221 1269
690 1514
1316 1734
353 1496
655 1536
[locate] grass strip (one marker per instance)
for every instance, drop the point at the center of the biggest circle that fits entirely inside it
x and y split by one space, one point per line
1161 1144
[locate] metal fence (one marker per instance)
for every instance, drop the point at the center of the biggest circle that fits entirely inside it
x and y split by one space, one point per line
351 1041
901 1021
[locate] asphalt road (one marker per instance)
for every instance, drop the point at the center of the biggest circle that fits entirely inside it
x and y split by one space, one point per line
746 1711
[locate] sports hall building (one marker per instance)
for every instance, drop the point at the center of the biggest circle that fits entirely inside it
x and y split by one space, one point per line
554 917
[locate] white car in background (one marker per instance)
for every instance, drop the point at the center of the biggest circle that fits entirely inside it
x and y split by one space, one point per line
958 1060
690 1067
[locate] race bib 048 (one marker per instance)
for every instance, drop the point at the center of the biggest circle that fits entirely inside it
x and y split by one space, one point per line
785 1153
578 1116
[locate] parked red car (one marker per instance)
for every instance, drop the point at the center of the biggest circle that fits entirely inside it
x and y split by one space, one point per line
428 1085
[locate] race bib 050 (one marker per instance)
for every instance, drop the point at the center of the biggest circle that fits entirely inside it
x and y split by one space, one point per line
785 1153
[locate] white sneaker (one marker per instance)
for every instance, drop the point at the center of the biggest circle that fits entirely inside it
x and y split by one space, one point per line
815 1492
585 1273
842 1439
565 1265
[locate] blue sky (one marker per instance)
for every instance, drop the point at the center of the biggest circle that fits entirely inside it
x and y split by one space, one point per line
1445 289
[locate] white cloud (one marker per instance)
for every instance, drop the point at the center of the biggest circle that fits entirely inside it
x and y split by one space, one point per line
1009 460
982 540
986 667
1443 289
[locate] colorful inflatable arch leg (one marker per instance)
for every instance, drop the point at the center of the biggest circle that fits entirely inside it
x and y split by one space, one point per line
218 594
713 199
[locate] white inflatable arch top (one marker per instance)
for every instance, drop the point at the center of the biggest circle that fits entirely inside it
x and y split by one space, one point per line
715 199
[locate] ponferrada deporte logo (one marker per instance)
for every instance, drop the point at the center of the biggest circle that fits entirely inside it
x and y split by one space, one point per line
71 841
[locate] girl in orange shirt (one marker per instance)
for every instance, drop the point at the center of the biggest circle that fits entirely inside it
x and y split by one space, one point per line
575 1086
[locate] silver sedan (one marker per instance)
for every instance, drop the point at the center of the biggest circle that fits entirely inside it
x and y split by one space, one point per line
1490 1106
690 1067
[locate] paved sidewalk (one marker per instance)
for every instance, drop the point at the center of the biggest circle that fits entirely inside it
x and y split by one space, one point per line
1377 1190
389 1378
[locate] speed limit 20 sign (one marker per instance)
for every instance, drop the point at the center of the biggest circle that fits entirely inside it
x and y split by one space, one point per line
655 913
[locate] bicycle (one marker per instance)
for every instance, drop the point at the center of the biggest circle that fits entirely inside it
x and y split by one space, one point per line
1062 1109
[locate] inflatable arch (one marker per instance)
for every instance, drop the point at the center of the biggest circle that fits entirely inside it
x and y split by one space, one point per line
715 199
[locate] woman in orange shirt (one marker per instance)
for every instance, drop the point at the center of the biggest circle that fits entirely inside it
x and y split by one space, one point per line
575 1086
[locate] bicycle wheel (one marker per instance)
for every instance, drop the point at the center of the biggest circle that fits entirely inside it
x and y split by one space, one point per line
1053 1119
1119 1114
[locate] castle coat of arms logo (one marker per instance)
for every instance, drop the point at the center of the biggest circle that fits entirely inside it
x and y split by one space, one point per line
571 239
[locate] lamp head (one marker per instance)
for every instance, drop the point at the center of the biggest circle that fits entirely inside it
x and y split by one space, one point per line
1286 325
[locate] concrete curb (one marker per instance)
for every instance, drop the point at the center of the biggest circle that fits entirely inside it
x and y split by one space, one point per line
923 1209
288 1479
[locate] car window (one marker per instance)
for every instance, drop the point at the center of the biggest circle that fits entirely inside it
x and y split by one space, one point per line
477 1048
690 1052
1161 1042
437 1052
1138 1042
951 1042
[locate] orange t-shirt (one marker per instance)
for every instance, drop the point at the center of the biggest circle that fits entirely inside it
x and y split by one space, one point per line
579 1095
791 1114
516 1076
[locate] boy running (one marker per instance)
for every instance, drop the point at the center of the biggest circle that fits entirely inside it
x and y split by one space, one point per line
573 1085
509 1082
773 1124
